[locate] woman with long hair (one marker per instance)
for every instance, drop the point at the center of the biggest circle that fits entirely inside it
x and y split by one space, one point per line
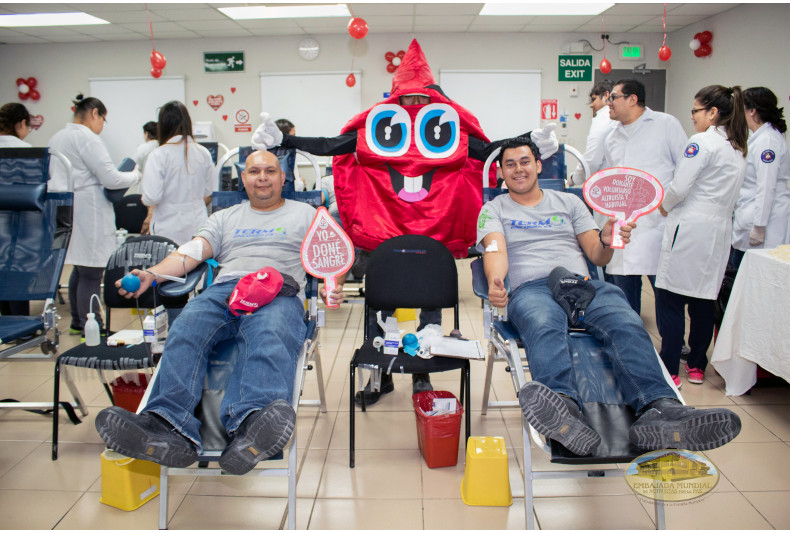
179 177
762 212
698 204
14 126
92 170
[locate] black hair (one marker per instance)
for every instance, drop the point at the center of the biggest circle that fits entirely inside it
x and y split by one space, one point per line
83 106
732 113
285 125
517 142
601 88
12 114
150 128
764 101
635 87
174 120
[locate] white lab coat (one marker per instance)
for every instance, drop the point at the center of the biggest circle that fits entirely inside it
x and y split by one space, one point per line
12 141
141 154
653 144
764 199
93 235
700 201
594 153
176 186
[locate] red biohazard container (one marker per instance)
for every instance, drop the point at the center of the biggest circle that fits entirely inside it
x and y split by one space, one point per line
438 435
128 392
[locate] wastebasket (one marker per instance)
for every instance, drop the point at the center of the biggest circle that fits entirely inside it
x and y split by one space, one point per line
438 435
128 390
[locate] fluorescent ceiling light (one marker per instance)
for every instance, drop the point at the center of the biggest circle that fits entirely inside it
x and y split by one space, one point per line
49 19
538 9
284 12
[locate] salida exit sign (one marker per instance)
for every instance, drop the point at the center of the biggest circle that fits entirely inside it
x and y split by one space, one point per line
575 68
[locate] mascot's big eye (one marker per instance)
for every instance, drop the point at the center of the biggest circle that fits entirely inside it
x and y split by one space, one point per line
388 130
437 131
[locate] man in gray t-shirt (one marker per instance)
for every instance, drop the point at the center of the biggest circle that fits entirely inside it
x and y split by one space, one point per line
525 235
256 411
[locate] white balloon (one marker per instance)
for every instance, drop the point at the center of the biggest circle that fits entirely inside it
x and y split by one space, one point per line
396 61
23 88
695 44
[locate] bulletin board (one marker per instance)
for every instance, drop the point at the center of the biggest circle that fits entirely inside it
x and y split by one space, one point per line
130 103
318 103
506 102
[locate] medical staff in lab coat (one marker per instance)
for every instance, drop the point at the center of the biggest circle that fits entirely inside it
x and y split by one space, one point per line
762 213
179 177
93 233
698 207
141 154
600 127
653 142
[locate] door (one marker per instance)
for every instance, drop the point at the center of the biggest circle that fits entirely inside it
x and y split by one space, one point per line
655 82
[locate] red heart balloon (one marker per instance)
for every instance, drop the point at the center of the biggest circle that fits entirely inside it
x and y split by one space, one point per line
233 90
36 121
578 116
225 117
195 102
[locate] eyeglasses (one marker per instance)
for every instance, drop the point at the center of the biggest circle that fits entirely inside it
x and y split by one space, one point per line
697 110
613 97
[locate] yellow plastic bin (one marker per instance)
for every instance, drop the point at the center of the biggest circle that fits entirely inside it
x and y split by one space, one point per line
404 315
127 483
486 478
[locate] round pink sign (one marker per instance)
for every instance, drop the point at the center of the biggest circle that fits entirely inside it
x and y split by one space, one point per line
327 251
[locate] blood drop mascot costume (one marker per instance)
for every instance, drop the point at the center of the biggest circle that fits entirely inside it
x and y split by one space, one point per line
407 169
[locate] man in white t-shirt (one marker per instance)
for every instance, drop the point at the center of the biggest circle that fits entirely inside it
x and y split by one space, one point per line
267 231
600 127
525 234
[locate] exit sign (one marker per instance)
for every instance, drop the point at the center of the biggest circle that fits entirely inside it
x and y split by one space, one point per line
632 52
575 68
223 61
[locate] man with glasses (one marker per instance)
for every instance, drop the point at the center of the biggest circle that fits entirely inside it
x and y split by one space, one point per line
600 127
653 142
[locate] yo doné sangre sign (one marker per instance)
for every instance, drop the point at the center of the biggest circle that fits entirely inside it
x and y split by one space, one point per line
623 193
327 251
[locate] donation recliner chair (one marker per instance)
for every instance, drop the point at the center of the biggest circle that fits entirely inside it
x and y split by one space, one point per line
408 271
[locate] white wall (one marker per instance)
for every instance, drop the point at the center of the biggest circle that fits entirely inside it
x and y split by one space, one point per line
64 69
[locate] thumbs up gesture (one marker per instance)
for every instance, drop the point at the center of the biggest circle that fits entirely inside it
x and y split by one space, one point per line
497 294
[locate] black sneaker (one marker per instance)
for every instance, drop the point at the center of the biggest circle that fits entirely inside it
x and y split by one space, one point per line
263 434
145 436
666 423
557 417
372 396
420 383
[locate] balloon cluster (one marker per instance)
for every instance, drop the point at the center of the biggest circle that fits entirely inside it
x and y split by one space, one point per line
357 28
700 44
393 60
27 89
158 62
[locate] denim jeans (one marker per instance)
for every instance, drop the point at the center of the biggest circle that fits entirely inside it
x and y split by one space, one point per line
672 307
543 327
268 342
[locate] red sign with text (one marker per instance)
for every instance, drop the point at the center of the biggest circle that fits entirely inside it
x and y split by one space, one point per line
327 251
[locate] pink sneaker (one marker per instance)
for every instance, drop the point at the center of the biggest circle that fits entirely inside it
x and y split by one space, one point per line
676 380
695 375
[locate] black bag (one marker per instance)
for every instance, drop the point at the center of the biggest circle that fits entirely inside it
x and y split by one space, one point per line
573 292
116 195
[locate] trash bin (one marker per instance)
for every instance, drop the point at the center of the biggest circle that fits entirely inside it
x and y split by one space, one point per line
438 435
128 390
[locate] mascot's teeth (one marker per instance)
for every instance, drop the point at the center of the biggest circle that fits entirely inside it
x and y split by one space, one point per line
412 184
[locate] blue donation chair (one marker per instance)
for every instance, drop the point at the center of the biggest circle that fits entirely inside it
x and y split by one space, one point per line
35 228
603 403
221 360
287 157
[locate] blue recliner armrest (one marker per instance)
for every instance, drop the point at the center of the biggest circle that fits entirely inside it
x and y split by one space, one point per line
174 289
23 197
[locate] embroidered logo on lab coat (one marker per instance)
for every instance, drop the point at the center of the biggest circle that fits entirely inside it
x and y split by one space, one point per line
692 150
768 156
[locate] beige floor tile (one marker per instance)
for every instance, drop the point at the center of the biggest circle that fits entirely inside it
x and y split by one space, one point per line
378 474
175 484
772 506
755 430
223 512
592 512
349 514
12 452
377 430
715 511
77 468
454 514
19 425
34 509
90 513
754 466
765 395
776 418
311 471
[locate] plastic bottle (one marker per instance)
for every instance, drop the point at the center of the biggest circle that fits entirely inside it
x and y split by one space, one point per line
92 335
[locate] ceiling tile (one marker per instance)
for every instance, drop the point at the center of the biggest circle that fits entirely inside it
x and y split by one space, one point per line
126 17
39 8
449 28
263 24
380 20
537 27
448 9
22 39
193 13
701 9
503 28
368 10
226 25
441 20
495 22
238 32
159 27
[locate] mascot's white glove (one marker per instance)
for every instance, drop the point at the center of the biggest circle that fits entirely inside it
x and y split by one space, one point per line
546 140
268 135
757 235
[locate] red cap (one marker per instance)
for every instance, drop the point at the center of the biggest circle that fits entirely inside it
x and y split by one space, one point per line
255 290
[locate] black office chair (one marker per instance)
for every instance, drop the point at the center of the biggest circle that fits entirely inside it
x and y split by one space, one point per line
130 213
408 271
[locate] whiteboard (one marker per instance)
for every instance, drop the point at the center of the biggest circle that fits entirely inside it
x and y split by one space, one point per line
506 102
130 103
318 103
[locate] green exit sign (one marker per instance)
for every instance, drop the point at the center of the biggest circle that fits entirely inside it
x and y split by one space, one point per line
575 68
223 61
632 51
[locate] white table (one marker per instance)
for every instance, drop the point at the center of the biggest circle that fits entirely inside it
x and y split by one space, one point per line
756 326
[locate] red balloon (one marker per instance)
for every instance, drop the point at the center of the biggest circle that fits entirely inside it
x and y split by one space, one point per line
351 80
697 36
391 68
20 81
664 53
31 82
705 37
34 95
401 53
705 50
357 28
158 61
155 72
23 96
606 66
389 56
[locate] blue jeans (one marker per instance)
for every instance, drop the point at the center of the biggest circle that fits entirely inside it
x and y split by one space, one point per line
268 342
543 328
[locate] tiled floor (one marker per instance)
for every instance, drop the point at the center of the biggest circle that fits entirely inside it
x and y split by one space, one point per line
391 487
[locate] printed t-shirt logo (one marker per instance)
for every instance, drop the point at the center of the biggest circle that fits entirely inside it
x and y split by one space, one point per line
692 150
481 220
274 234
549 223
768 156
